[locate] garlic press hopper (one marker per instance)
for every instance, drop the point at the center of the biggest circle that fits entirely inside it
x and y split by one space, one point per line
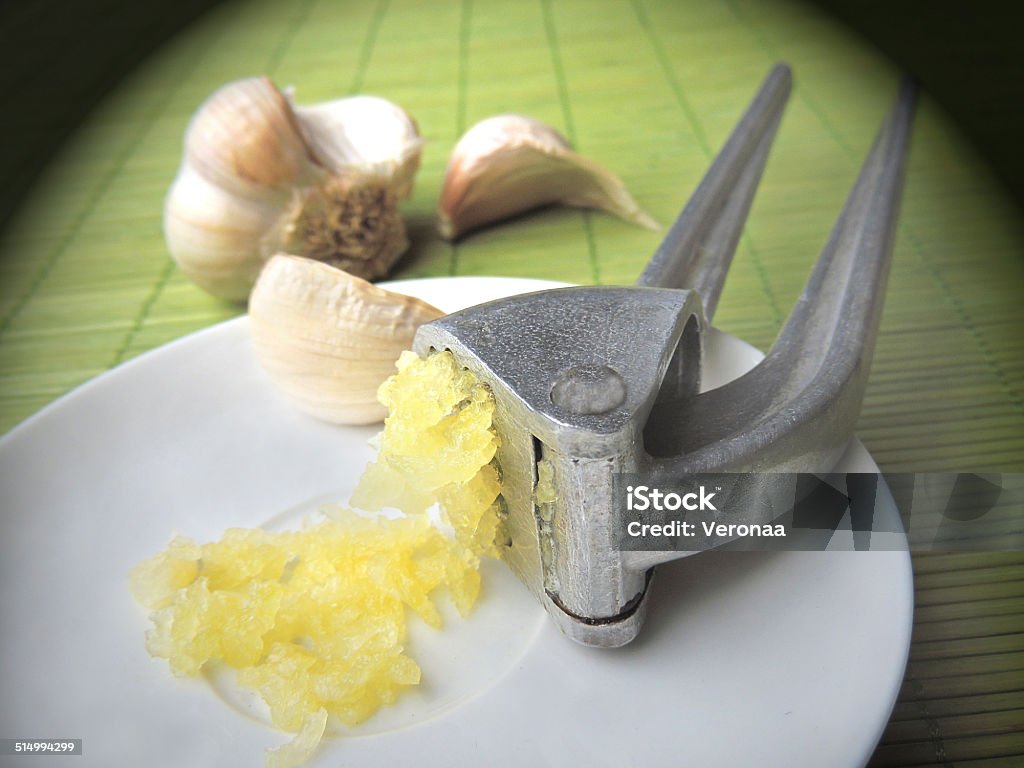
591 382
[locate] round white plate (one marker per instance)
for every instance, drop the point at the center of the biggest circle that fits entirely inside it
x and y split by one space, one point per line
769 659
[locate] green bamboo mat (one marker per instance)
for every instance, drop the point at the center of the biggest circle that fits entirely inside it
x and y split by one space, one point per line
650 88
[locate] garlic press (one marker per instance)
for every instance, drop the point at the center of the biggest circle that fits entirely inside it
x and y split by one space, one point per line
593 382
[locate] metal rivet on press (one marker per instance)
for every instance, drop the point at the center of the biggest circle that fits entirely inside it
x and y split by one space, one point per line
589 390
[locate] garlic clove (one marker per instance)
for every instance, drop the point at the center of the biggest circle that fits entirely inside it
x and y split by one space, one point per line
215 237
245 138
327 339
366 133
257 178
509 164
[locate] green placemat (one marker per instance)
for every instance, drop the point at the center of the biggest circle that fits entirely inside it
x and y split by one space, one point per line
651 89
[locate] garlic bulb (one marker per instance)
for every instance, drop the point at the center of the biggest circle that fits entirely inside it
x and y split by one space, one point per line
260 176
509 164
328 339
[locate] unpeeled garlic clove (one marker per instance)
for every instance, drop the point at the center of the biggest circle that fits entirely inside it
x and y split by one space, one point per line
261 176
509 164
328 339
367 134
245 139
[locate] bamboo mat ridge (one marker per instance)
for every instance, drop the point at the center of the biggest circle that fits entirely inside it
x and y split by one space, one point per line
650 89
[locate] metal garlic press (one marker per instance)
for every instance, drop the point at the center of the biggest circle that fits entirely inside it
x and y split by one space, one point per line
593 382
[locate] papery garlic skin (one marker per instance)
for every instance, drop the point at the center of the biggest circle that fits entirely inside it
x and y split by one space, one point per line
327 339
509 164
261 176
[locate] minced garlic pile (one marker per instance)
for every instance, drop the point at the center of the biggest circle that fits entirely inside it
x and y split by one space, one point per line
315 620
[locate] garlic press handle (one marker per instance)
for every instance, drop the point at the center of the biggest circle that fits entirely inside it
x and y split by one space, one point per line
698 249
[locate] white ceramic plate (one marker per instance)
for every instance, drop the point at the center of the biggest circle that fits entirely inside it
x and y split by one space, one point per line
769 659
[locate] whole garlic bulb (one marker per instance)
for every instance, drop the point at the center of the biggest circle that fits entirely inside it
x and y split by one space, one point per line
509 164
327 339
260 175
